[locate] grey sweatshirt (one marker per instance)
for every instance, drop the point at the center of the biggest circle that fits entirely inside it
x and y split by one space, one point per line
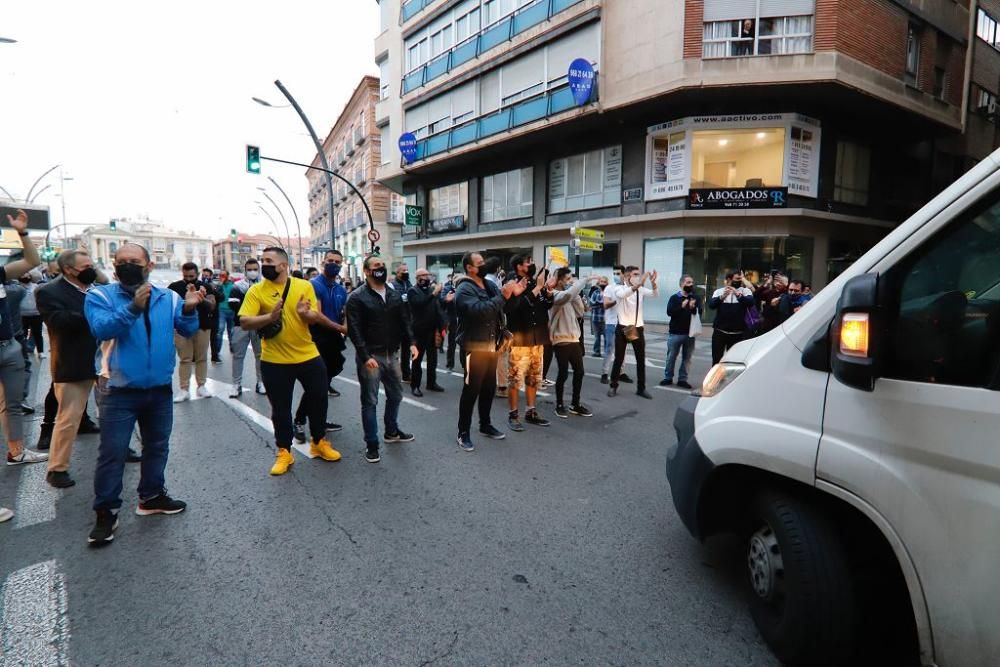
567 308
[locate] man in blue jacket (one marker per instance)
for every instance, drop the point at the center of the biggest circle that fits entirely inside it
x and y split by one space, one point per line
134 324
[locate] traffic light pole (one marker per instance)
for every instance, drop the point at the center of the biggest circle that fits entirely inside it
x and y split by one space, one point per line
371 221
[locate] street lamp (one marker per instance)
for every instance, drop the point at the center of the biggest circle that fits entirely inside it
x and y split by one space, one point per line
37 194
298 227
7 40
271 218
44 174
281 215
319 150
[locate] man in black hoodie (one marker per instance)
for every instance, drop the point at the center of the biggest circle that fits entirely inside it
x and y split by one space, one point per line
528 320
428 322
479 304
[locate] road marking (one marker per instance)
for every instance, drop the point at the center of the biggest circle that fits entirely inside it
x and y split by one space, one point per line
36 500
239 407
462 375
34 629
408 401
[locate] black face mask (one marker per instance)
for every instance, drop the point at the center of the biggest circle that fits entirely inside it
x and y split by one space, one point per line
379 275
735 283
688 288
424 284
403 277
190 281
531 270
87 276
269 272
130 275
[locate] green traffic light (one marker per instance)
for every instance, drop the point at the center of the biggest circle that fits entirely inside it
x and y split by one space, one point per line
253 159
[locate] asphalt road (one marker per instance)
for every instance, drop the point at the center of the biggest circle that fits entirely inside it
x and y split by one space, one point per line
556 546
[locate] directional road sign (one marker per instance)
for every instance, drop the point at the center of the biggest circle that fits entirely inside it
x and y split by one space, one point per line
584 233
588 245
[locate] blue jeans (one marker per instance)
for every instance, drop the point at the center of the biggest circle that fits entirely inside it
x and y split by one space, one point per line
120 409
609 346
675 343
227 320
597 329
390 376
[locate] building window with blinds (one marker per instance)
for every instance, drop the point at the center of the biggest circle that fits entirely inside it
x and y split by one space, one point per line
587 180
850 185
740 28
507 195
451 201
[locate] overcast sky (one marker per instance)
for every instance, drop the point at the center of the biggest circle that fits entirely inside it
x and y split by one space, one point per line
147 105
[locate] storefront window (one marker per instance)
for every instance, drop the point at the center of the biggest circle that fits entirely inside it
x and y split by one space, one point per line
444 265
747 158
450 201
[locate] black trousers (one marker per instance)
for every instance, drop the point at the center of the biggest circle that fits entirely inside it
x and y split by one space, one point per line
279 381
569 354
546 360
32 327
722 341
480 385
52 409
404 362
425 348
638 348
452 332
331 352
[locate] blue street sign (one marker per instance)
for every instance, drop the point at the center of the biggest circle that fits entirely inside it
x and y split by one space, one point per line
408 146
581 80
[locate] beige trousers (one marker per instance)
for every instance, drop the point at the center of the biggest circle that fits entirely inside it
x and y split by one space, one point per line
193 351
72 397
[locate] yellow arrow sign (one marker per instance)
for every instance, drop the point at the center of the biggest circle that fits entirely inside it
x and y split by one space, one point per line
585 233
589 245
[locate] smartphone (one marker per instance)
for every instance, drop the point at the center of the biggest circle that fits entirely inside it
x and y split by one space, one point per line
38 217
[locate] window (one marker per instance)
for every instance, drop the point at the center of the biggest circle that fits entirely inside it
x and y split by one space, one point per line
383 80
507 195
449 202
385 149
983 101
850 184
737 158
738 28
396 206
912 54
986 28
588 180
939 82
945 305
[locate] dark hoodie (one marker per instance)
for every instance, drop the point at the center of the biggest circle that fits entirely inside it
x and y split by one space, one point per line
479 311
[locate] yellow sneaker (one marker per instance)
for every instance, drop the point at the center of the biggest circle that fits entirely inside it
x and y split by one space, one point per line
282 461
324 450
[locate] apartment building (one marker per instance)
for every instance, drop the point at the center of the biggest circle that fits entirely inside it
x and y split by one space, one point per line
168 248
718 134
231 254
353 150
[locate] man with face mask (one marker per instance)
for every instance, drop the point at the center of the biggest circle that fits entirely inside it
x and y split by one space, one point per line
134 324
528 319
401 283
289 355
565 331
610 325
681 308
427 325
378 323
630 299
61 304
241 337
730 302
193 352
328 334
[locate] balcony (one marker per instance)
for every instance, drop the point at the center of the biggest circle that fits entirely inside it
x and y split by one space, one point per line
505 30
521 113
411 8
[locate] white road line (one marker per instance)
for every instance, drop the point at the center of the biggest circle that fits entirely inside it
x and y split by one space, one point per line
34 628
221 391
408 401
462 375
36 500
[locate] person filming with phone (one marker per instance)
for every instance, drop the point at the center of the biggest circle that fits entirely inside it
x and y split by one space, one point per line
730 302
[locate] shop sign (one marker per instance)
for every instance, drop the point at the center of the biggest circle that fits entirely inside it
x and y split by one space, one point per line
408 146
733 198
414 215
581 80
632 194
452 224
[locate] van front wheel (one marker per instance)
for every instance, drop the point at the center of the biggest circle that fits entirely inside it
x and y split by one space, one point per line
801 591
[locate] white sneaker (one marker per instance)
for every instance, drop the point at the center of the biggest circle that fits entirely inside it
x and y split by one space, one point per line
182 396
260 388
27 456
237 391
5 514
203 392
42 355
548 383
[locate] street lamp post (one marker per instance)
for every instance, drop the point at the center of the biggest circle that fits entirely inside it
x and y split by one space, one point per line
298 228
37 194
62 197
319 150
44 174
284 221
273 221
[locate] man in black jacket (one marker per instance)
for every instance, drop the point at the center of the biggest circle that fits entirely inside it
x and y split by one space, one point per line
402 284
528 320
428 322
60 304
681 308
194 351
378 323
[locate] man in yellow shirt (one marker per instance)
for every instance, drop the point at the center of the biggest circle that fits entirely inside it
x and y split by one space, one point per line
289 355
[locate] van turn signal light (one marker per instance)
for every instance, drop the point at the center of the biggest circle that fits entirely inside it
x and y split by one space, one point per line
854 335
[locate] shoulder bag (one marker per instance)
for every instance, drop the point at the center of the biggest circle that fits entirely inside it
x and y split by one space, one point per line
274 328
632 330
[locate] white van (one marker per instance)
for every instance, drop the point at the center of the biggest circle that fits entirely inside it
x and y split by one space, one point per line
856 450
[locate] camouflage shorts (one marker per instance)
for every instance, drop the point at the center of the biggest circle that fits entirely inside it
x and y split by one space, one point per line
525 368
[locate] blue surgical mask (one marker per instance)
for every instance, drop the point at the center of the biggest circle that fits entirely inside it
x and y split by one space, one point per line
331 270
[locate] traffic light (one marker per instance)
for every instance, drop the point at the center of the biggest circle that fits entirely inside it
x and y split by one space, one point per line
113 224
253 159
233 234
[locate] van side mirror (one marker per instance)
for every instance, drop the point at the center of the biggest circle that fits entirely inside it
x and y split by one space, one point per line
855 336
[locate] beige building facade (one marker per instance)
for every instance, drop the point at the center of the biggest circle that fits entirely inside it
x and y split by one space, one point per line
168 248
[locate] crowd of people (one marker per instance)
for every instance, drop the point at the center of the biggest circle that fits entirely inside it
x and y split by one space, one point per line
121 340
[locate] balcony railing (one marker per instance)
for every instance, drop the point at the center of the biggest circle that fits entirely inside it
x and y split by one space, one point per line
411 8
505 30
534 108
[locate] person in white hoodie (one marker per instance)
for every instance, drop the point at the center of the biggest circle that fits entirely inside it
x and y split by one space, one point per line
564 330
242 338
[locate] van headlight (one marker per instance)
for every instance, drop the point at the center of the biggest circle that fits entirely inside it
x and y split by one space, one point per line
720 377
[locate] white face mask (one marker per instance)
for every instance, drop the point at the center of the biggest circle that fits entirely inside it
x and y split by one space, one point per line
253 275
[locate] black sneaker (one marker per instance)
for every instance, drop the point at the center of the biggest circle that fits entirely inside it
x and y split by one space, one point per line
532 417
684 385
299 431
581 410
132 456
561 412
398 436
514 423
491 432
104 529
45 437
59 479
27 409
435 387
465 442
625 378
371 454
332 392
604 378
88 427
667 383
216 360
161 504
612 392
643 394
333 428
416 392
